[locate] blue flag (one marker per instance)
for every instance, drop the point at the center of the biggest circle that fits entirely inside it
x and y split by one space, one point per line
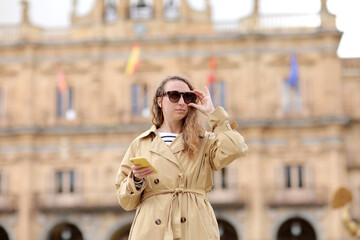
293 79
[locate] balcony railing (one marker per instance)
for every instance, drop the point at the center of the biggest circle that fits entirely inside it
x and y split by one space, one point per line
353 160
141 12
8 203
9 34
350 67
260 23
228 197
172 13
281 197
289 21
76 201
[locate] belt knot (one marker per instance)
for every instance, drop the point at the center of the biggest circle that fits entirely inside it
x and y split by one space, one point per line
179 190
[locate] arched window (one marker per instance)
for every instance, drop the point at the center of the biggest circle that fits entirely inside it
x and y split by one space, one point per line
296 229
122 233
65 231
3 234
227 231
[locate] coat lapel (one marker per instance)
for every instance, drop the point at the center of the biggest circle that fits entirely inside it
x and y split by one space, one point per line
177 145
159 147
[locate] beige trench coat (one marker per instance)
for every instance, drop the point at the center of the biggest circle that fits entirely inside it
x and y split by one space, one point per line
172 204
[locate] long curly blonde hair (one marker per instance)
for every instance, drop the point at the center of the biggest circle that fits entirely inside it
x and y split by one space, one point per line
192 129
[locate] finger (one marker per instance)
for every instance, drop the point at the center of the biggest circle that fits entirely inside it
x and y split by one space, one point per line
194 105
145 170
207 91
199 93
147 174
135 167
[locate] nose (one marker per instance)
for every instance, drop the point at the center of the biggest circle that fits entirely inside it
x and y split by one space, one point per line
181 100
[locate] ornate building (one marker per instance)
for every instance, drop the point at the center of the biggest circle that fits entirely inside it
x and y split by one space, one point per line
68 112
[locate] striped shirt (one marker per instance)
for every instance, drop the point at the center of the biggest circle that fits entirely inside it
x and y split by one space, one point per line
168 137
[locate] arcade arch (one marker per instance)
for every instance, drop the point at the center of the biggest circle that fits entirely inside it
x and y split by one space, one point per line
296 229
65 231
3 234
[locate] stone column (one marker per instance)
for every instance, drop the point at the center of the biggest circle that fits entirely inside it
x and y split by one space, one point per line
158 9
256 7
123 9
25 12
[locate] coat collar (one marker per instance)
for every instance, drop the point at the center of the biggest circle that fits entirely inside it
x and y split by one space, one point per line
159 147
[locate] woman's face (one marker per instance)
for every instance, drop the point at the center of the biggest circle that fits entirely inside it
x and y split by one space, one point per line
174 111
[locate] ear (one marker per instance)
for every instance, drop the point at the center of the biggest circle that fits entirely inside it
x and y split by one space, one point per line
159 102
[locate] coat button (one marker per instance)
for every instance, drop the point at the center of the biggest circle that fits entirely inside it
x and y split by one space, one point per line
158 222
156 181
183 219
205 154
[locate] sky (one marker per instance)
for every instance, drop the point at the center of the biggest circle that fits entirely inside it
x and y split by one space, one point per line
56 14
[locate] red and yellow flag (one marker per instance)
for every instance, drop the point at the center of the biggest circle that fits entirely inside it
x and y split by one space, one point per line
61 79
134 60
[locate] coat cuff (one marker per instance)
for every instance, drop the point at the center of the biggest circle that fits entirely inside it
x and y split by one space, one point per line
131 185
219 120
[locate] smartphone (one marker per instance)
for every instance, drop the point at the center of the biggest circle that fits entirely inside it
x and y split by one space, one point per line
143 162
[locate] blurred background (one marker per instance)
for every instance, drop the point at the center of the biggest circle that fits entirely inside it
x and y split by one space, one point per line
77 80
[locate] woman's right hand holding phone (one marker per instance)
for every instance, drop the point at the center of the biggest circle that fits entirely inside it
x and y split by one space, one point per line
140 172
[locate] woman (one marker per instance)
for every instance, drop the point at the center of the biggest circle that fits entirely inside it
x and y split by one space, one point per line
172 204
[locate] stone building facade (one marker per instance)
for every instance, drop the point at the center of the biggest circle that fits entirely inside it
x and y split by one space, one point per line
60 149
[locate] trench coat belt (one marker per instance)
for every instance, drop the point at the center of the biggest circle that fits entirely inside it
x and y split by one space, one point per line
173 230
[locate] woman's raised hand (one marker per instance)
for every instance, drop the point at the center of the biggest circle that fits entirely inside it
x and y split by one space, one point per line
205 104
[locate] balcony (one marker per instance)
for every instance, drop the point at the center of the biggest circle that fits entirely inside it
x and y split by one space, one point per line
141 12
172 13
350 67
228 197
87 201
8 203
353 161
296 197
9 34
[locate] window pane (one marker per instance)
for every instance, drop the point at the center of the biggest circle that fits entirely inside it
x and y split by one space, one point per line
288 176
59 97
300 173
223 178
218 93
1 104
70 98
72 181
222 94
213 179
134 99
145 97
212 94
59 182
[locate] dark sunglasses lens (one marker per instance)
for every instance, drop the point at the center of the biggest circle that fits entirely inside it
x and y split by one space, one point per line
174 96
189 97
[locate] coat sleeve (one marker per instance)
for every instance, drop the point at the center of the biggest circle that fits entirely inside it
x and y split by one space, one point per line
226 144
127 194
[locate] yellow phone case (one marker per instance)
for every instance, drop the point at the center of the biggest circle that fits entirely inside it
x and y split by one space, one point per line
143 162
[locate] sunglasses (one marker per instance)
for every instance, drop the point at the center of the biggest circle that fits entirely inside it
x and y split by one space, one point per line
174 96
